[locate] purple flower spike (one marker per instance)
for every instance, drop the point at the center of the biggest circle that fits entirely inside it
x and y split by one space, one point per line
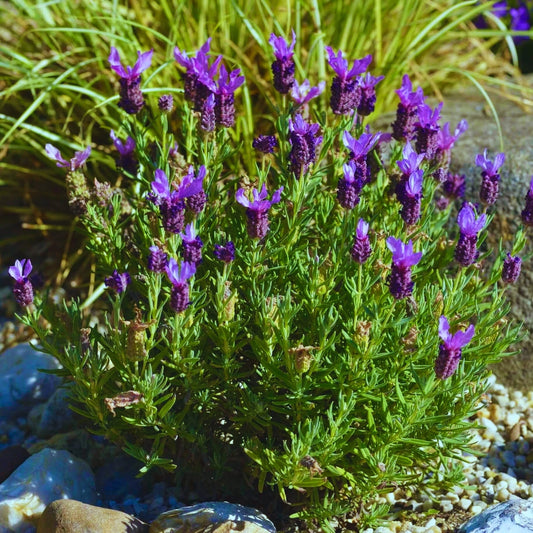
520 21
359 148
118 282
302 94
487 166
403 259
157 260
427 130
446 140
527 212
192 245
225 252
340 65
368 94
131 97
490 181
454 185
165 103
450 350
257 210
265 143
208 115
126 159
350 185
411 160
224 96
511 268
22 288
304 141
283 67
74 164
410 200
361 249
191 188
179 296
403 127
466 250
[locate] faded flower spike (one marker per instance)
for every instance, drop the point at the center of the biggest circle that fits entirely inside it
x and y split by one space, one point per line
131 97
257 210
225 252
488 192
265 143
403 258
345 91
302 94
511 268
191 245
74 164
527 212
118 282
157 260
451 348
283 66
361 249
466 250
126 159
350 185
304 141
22 289
179 296
403 128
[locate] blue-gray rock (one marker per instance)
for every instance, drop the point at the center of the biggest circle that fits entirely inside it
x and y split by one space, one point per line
212 516
43 478
117 479
56 416
22 385
513 516
10 459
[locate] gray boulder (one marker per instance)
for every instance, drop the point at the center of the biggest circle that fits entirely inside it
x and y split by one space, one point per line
513 516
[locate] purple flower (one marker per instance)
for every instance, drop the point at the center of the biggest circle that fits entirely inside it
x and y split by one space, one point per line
22 288
403 127
179 296
520 21
192 187
427 130
257 210
126 159
411 160
283 66
361 249
466 250
403 259
225 252
304 142
350 185
445 140
450 349
165 103
490 178
208 116
499 9
511 268
345 91
131 97
118 282
191 245
227 84
527 212
454 185
302 94
74 164
410 200
368 94
157 260
265 143
359 150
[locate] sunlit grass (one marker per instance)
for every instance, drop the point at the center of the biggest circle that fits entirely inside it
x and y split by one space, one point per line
56 85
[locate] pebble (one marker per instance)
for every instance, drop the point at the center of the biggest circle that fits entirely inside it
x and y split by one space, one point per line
71 516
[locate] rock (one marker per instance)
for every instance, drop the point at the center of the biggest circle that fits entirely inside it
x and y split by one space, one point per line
219 517
71 516
56 416
22 385
10 459
46 476
513 516
514 372
116 478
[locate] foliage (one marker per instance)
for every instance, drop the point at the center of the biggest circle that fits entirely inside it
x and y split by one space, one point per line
295 366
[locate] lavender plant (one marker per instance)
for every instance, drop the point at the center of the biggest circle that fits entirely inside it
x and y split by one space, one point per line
329 341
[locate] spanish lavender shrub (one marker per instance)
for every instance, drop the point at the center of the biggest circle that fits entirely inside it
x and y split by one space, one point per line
302 352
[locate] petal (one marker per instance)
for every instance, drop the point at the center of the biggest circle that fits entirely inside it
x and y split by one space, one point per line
276 197
362 229
115 63
53 153
187 270
79 158
27 268
239 196
143 62
444 328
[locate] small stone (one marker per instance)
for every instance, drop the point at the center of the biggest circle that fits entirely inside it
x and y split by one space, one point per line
446 506
44 477
513 516
512 418
219 517
508 458
503 495
71 516
465 503
10 459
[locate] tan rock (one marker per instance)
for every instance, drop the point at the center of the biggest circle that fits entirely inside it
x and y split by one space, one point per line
212 517
71 516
